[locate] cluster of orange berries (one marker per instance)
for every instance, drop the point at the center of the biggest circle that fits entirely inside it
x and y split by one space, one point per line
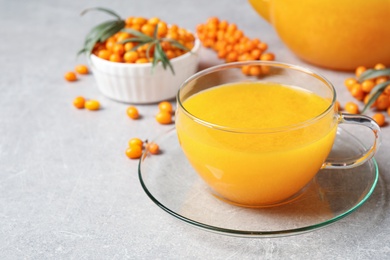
361 92
80 69
164 115
114 50
136 145
80 103
231 44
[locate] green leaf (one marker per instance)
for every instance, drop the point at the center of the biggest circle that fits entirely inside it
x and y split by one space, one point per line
99 28
138 34
374 94
108 11
138 40
139 45
176 44
163 57
111 30
101 33
148 50
373 73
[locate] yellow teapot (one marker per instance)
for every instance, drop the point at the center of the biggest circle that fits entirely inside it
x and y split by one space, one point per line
336 34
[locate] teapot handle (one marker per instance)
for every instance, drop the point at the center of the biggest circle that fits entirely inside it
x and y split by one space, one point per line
261 7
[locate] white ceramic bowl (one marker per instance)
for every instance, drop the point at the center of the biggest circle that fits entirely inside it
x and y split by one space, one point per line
136 83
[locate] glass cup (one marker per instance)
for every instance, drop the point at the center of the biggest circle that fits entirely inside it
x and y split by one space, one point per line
262 166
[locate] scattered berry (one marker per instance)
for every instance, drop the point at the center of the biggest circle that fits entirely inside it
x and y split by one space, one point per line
165 106
81 69
164 117
132 112
134 152
79 102
153 148
352 108
92 105
379 119
135 142
70 76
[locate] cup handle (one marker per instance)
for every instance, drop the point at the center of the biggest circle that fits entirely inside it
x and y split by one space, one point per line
361 120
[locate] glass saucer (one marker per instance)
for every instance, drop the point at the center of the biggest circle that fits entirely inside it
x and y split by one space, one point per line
171 183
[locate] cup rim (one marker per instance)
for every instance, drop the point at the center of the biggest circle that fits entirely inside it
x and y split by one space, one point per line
257 130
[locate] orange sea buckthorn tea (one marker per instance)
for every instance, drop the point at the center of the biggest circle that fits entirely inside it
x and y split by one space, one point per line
258 141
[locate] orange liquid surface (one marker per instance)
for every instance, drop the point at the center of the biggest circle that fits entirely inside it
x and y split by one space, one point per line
255 168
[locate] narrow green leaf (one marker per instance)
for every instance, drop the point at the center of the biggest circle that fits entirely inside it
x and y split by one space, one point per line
375 93
111 31
164 59
100 27
155 36
371 101
176 44
108 11
138 34
139 45
373 73
138 40
148 49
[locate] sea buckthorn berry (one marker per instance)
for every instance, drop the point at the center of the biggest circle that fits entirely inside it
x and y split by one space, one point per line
265 69
118 49
387 90
134 152
92 105
337 106
379 119
129 46
165 106
351 108
139 20
132 112
267 56
81 69
368 85
255 70
379 66
359 70
142 60
164 117
153 148
130 56
148 29
115 57
262 46
245 69
70 76
382 102
104 54
357 91
381 79
349 82
366 98
79 102
153 20
123 36
136 142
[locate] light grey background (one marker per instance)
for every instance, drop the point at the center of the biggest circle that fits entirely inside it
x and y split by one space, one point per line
67 191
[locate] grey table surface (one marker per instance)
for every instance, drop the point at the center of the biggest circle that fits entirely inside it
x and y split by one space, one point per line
67 191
